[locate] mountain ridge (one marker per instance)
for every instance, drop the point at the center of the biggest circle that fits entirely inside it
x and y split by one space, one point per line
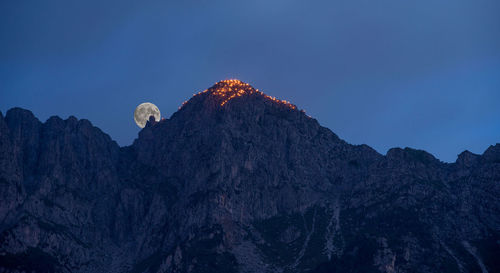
248 184
464 155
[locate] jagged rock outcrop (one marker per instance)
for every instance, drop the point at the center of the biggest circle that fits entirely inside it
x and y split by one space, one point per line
237 181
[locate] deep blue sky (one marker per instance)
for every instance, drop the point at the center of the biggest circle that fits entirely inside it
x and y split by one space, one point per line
388 73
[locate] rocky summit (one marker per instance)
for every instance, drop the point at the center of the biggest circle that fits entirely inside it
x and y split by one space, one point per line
237 181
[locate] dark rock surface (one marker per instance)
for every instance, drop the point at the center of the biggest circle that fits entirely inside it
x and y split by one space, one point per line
242 183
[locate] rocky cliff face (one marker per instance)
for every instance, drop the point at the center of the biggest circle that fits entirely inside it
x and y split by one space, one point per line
237 181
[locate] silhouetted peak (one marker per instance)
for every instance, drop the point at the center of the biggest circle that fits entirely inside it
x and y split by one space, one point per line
409 154
72 119
151 121
70 122
223 92
22 123
467 158
492 153
18 114
55 121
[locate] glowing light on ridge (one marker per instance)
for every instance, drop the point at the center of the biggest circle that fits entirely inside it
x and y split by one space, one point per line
227 90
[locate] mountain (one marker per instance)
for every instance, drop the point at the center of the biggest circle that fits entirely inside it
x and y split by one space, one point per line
237 181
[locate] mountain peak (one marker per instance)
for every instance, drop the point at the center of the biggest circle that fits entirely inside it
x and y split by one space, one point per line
248 185
224 91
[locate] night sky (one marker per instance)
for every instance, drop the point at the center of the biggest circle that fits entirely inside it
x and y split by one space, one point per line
388 73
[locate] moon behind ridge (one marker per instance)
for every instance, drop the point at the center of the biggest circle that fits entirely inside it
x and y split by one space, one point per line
144 111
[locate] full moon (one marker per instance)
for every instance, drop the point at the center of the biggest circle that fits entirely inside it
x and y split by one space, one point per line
144 111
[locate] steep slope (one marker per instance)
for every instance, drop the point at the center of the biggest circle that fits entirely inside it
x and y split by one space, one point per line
58 178
238 181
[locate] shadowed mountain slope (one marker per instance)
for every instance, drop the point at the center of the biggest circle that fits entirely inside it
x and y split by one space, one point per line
237 181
